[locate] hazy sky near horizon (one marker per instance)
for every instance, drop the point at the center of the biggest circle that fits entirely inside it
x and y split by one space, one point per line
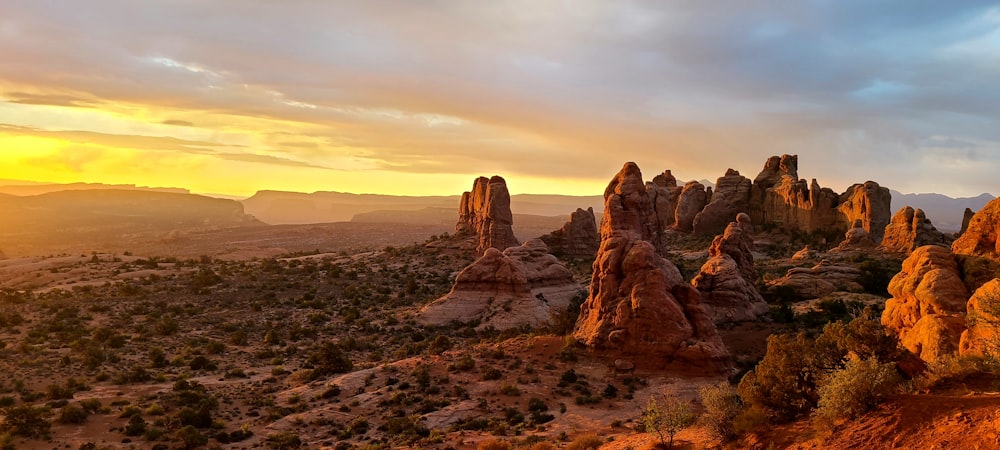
401 97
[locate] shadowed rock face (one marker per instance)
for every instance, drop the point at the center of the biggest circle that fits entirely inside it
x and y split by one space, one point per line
726 280
928 304
981 236
779 198
578 238
522 285
639 304
910 229
485 213
731 196
856 239
692 200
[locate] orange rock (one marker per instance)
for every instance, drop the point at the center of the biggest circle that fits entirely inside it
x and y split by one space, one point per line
578 238
910 229
485 213
983 321
980 238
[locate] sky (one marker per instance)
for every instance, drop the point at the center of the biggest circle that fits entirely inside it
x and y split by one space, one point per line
419 97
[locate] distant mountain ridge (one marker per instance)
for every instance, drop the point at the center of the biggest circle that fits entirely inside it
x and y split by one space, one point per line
26 188
943 211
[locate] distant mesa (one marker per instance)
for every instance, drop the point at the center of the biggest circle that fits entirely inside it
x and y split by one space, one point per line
910 229
578 238
639 306
523 285
484 212
726 280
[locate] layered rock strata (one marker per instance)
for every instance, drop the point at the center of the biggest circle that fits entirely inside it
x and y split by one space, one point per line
522 285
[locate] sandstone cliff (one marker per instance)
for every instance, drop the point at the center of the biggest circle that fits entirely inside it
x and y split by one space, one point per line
731 197
522 285
910 229
485 213
639 305
578 238
726 280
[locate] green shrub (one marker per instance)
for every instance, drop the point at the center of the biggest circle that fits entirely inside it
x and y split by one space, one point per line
668 418
722 406
73 414
27 421
283 441
589 441
857 388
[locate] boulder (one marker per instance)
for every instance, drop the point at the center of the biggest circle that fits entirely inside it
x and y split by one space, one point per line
639 307
692 200
484 212
825 278
928 303
578 238
856 239
522 285
980 237
910 229
726 280
982 338
730 197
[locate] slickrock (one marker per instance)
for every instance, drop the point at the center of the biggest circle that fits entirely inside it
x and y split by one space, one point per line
910 229
692 200
983 321
779 198
928 303
980 238
485 213
856 239
639 306
578 238
731 197
726 280
522 285
823 279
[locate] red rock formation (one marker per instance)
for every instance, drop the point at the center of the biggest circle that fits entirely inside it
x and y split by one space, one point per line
726 280
805 283
856 239
779 198
981 236
910 229
639 305
485 213
522 285
982 337
928 303
578 238
691 201
966 218
731 197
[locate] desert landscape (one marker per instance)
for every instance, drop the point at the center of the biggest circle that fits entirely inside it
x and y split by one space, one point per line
762 313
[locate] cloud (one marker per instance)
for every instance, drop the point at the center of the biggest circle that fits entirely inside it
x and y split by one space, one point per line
49 99
178 123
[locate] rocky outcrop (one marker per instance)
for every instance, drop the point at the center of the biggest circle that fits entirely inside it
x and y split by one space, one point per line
856 239
869 203
692 200
779 198
910 229
726 280
639 306
825 278
522 285
982 336
928 304
485 213
981 236
966 218
731 197
578 238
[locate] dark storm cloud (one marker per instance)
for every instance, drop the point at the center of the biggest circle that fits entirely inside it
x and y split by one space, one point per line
857 88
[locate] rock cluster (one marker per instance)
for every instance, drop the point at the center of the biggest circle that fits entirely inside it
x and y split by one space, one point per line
910 229
726 280
778 197
639 305
928 304
578 238
485 213
731 197
981 236
522 285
